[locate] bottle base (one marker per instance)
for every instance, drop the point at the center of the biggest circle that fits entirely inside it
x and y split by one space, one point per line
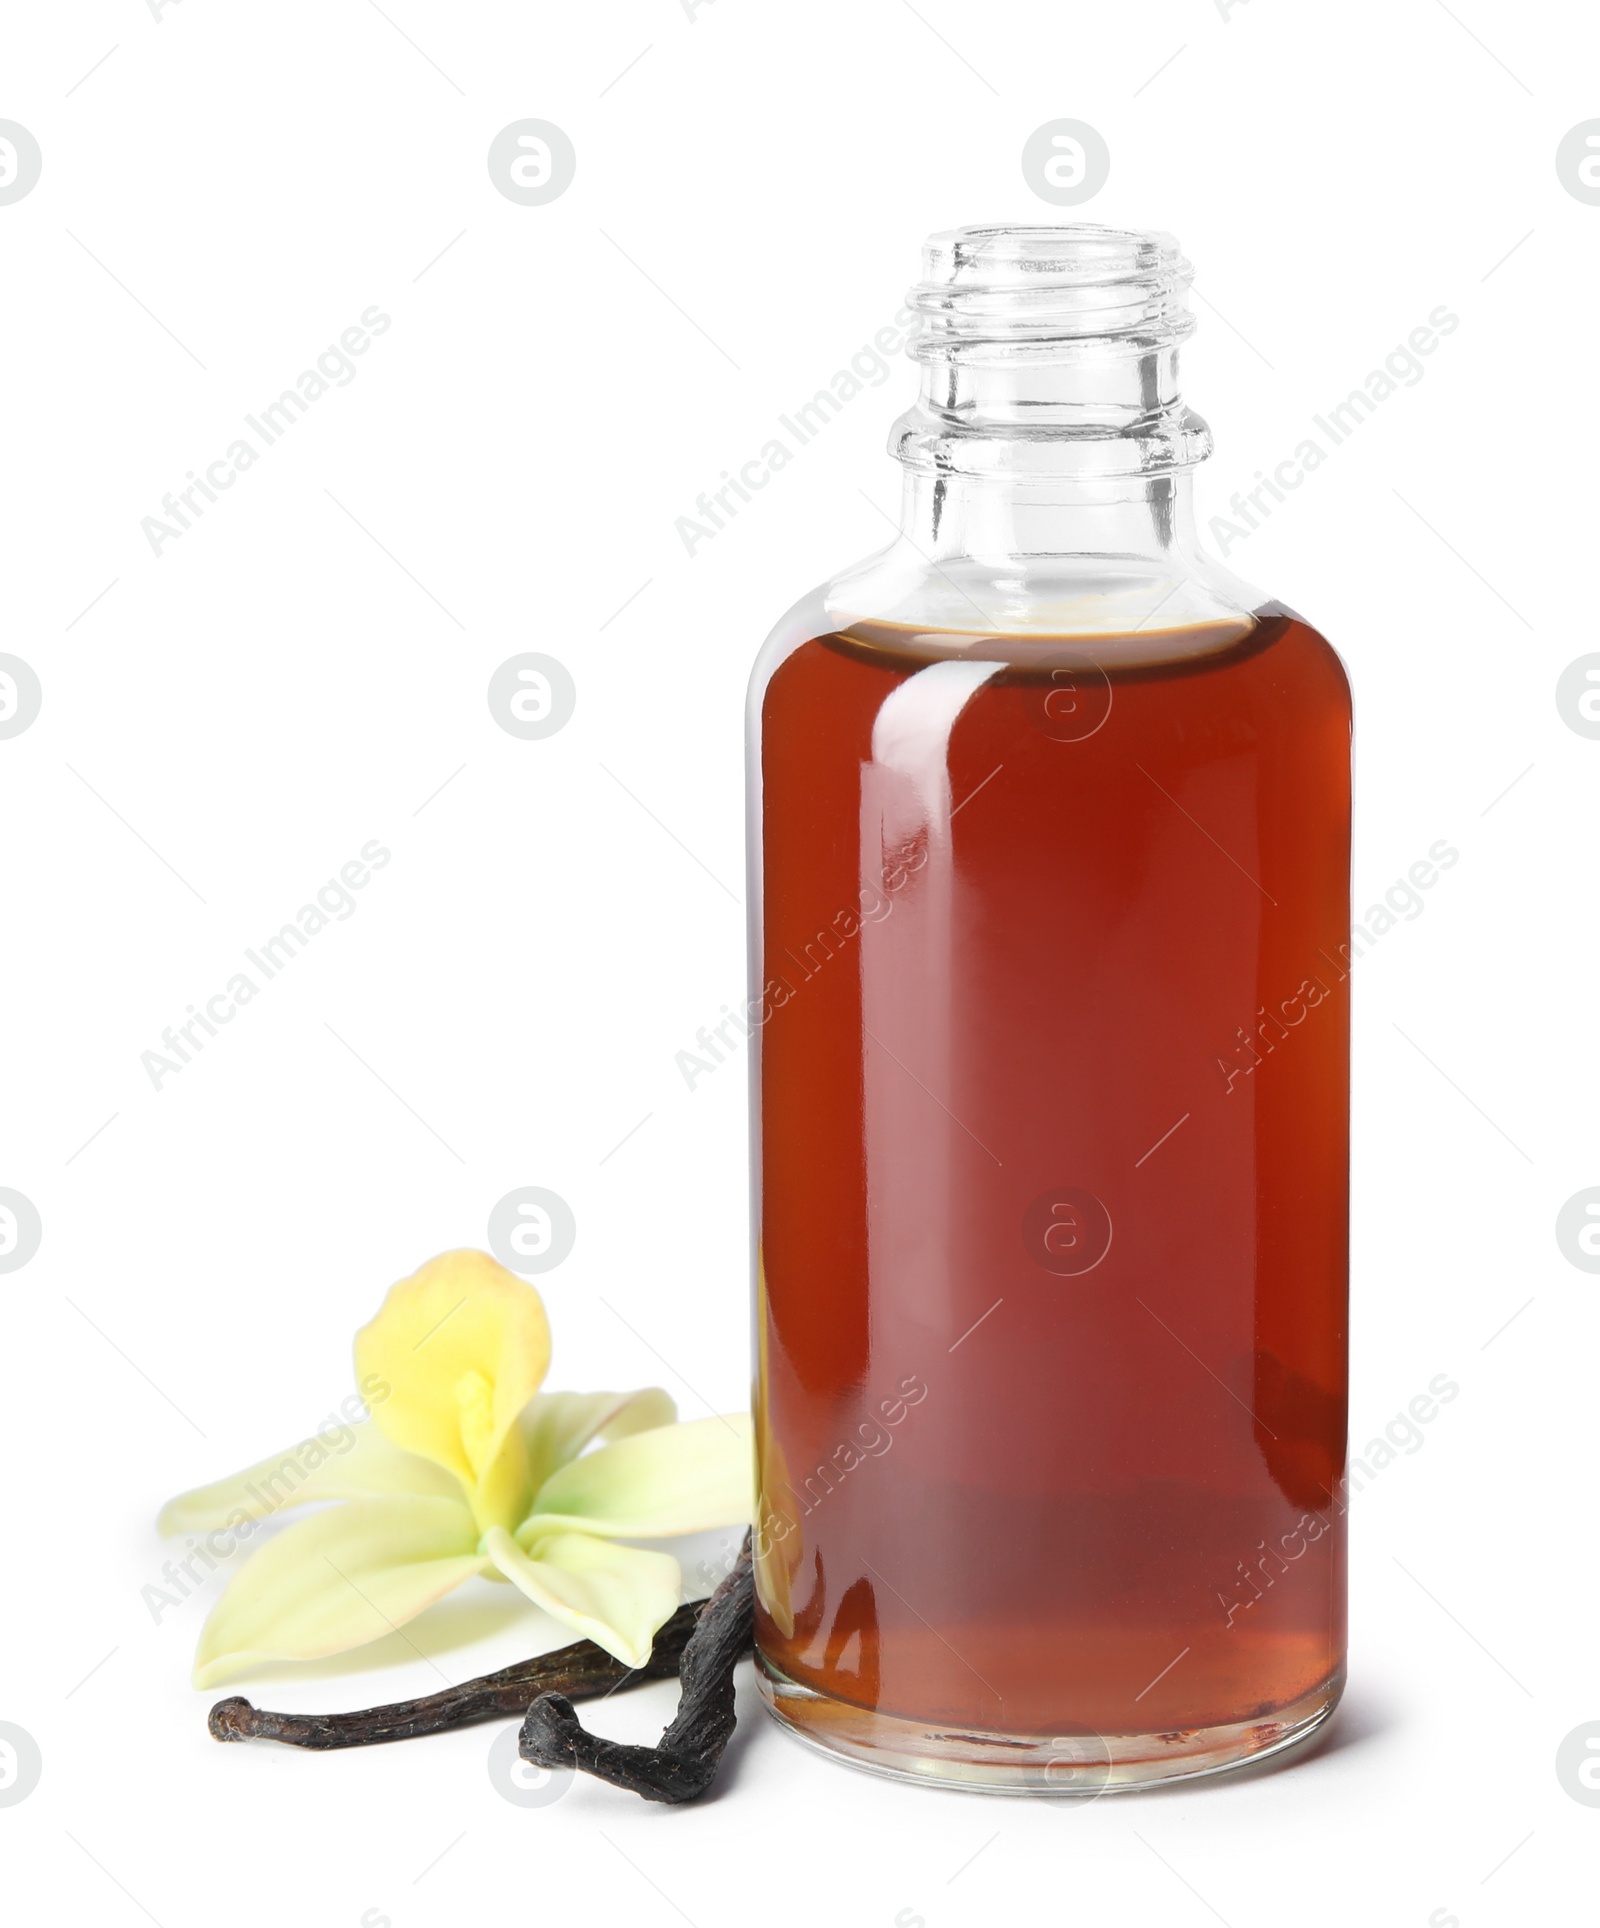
1083 1764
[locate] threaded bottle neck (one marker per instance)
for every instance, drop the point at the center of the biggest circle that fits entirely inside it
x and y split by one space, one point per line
1050 352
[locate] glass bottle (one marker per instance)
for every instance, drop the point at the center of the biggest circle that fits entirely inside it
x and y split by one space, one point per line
1049 1008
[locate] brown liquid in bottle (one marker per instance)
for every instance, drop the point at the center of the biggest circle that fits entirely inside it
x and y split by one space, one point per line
1052 1199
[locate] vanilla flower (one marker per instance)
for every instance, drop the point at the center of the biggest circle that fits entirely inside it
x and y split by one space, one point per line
466 1468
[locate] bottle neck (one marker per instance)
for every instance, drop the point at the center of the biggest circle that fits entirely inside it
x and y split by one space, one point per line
1050 352
991 517
1048 455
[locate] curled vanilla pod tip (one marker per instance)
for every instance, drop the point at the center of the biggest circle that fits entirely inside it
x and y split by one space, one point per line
684 1762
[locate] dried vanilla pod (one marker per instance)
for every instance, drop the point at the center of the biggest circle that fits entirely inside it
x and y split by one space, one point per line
579 1671
684 1762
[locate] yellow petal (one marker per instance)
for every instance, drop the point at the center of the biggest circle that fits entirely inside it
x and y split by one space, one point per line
558 1425
460 1348
616 1596
338 1580
777 1543
343 1463
673 1479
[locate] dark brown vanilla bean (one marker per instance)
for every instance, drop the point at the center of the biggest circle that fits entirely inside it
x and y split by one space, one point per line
685 1761
580 1671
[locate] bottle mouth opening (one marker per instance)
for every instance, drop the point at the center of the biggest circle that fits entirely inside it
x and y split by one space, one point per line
1018 291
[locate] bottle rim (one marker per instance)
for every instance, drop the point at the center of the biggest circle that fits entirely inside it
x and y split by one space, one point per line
1006 291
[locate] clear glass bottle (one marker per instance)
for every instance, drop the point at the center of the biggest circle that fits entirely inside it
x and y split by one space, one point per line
1049 1001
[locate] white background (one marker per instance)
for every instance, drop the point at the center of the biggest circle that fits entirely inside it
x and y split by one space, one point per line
306 667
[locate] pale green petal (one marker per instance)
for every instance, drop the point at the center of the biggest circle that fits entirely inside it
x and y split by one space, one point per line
347 1463
338 1580
616 1596
673 1479
558 1425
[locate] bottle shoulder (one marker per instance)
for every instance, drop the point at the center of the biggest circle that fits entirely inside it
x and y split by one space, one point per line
1176 645
1134 609
1271 675
1329 664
